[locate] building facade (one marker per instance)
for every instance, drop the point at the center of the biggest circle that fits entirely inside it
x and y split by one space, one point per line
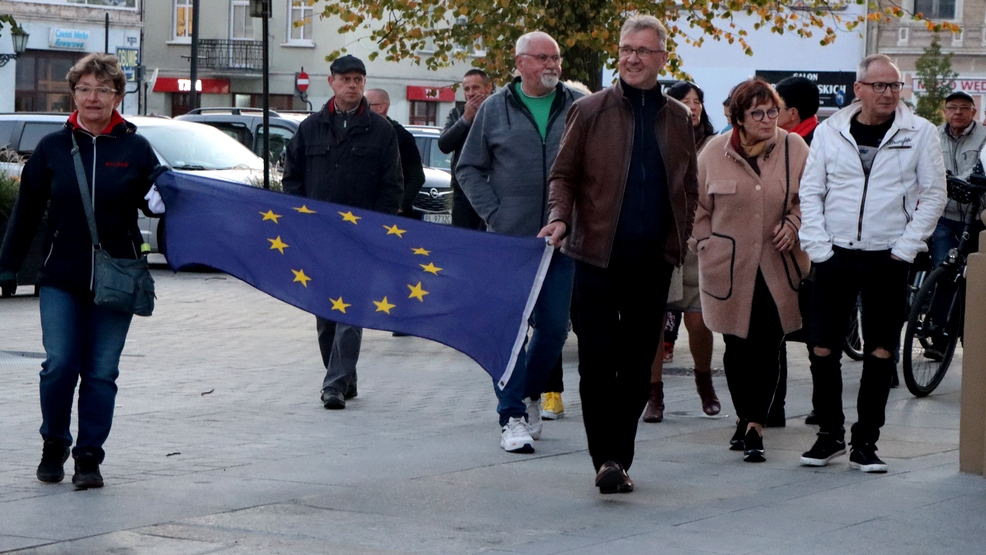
230 61
904 40
153 39
61 32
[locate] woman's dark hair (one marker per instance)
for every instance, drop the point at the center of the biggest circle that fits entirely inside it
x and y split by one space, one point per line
750 93
680 90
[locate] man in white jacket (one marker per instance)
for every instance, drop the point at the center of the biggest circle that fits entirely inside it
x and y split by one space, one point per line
872 192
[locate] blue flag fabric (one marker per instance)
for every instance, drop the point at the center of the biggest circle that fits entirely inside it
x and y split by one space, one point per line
469 290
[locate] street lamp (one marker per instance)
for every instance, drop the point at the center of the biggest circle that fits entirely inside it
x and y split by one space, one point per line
19 37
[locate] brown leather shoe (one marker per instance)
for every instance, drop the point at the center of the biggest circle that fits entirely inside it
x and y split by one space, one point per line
654 412
707 392
612 478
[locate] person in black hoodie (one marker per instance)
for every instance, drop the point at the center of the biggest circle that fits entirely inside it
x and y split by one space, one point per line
82 341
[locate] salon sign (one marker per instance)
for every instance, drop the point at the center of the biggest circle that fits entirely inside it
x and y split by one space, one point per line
68 39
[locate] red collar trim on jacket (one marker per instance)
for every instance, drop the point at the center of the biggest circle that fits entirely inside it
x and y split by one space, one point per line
805 127
117 119
332 106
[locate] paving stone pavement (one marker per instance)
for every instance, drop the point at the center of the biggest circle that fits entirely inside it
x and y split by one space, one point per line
220 445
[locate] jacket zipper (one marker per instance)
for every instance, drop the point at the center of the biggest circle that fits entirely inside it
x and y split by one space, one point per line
544 148
866 180
51 249
92 262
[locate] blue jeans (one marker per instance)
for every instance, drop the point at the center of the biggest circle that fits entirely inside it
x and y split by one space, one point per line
537 358
946 237
84 341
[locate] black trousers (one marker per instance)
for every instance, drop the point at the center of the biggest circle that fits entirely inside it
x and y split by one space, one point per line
463 214
881 284
751 363
620 321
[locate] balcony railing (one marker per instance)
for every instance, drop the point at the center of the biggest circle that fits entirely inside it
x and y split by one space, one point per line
244 55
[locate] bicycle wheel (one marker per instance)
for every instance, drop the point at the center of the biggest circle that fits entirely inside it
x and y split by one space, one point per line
932 330
853 345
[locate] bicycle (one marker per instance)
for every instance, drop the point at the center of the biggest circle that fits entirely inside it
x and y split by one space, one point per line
935 323
853 344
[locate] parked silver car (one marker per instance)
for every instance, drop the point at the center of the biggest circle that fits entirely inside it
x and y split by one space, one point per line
182 145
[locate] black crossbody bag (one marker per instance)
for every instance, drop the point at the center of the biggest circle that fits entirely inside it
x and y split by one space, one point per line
118 283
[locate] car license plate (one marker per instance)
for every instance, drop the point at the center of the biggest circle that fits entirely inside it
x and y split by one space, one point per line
438 218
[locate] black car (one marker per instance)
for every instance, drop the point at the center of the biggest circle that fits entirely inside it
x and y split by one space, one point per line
434 201
246 125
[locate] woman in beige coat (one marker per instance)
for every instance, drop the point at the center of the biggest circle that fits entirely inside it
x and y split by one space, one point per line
746 237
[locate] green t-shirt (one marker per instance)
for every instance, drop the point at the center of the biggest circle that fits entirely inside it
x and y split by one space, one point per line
540 108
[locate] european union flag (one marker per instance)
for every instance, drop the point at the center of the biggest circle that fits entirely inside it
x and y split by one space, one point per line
469 290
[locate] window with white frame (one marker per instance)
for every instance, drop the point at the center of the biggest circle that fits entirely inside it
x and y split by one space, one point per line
241 24
182 28
935 9
300 17
957 38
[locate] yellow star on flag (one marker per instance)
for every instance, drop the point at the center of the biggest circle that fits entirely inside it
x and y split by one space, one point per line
394 230
270 215
417 292
337 304
384 306
420 250
305 210
278 244
349 217
430 268
299 275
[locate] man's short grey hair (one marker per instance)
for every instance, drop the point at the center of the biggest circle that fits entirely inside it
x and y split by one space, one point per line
379 92
642 22
525 40
864 65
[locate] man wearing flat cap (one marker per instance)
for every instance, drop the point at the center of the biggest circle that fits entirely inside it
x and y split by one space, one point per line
346 154
962 141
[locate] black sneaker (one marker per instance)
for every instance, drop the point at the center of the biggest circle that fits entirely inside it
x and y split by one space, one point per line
825 449
864 458
811 419
53 457
754 447
87 474
736 442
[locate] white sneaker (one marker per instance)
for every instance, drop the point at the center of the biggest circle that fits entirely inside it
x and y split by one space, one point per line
515 437
534 423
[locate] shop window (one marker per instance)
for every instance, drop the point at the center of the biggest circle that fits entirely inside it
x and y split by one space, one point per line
40 81
423 113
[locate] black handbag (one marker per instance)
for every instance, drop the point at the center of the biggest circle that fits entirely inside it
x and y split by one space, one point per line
118 283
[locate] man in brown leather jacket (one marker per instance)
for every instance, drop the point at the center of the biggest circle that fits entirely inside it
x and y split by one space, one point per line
622 197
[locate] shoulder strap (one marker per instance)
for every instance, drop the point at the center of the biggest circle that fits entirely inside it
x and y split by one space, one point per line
787 174
80 175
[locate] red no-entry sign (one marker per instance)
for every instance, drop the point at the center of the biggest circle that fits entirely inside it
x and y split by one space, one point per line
301 81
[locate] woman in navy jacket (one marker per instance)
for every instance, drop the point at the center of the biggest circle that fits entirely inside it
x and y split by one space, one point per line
82 341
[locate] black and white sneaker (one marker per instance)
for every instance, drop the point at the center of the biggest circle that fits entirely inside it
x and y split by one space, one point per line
864 458
825 449
753 447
